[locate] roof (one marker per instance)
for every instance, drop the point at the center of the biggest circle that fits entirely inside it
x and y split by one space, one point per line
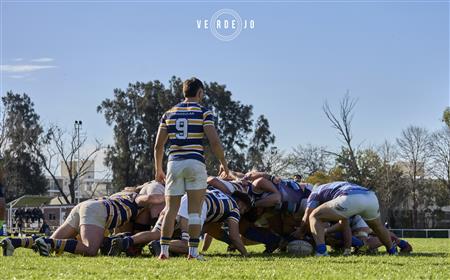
29 201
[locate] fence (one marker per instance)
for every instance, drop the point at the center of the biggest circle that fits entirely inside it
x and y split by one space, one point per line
422 233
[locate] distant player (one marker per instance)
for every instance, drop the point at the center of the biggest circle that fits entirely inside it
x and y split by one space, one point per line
185 126
338 201
89 219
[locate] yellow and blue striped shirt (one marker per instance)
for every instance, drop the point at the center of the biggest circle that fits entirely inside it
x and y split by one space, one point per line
120 208
220 207
184 124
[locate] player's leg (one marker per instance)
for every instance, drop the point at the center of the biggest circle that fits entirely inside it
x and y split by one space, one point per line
67 230
383 236
168 223
195 203
91 224
196 183
10 244
175 189
317 222
371 215
338 209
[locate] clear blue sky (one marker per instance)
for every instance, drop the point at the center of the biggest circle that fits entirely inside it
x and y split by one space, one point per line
393 57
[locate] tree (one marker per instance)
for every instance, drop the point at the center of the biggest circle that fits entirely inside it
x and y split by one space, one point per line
389 184
276 162
259 144
310 159
234 125
343 125
414 150
136 111
61 152
446 116
21 129
135 114
440 155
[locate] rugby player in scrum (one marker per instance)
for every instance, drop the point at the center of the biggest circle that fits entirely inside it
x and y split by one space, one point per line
89 219
338 201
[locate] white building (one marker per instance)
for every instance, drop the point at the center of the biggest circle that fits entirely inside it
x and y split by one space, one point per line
89 186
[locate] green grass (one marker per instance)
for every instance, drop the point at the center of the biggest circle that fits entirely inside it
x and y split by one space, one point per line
430 260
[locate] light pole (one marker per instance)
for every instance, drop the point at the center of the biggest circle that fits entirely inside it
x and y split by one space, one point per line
77 130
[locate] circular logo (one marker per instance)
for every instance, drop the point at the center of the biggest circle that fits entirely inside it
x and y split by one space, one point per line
226 24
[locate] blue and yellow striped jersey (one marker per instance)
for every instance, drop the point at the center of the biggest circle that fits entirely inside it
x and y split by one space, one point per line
184 124
120 208
220 207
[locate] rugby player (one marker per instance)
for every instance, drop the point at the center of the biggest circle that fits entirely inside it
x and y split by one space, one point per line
185 126
362 236
89 219
261 192
338 201
218 208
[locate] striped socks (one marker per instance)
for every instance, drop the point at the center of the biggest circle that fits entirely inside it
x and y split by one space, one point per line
193 247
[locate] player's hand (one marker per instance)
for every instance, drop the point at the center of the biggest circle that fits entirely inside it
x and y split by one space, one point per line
250 176
160 176
224 171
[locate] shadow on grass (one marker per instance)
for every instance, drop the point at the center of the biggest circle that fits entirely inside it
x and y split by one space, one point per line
269 257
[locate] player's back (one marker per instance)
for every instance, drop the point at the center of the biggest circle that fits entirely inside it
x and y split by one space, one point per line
332 190
120 207
220 206
184 123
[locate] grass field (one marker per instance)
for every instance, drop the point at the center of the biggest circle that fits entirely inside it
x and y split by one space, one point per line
430 260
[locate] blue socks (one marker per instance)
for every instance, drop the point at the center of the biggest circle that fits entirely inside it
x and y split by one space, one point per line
321 248
402 244
356 242
393 250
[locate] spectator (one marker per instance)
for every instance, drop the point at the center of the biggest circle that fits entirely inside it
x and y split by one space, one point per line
45 229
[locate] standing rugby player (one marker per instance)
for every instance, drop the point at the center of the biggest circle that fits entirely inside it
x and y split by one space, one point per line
185 126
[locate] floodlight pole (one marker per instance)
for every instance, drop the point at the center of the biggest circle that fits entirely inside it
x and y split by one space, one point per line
77 129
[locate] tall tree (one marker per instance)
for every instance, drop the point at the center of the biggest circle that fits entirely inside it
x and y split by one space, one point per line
57 150
21 130
259 144
233 122
135 113
414 151
446 116
343 124
389 183
309 159
440 152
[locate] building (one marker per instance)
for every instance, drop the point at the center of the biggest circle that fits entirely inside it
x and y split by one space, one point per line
89 186
406 168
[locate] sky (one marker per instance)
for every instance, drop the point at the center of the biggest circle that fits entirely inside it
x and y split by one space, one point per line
393 57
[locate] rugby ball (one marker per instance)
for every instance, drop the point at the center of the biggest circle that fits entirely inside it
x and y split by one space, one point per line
299 248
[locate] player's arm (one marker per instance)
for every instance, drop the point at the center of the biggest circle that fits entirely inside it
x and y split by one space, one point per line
207 240
217 184
253 175
216 146
274 197
346 233
161 140
146 200
304 226
334 228
235 237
